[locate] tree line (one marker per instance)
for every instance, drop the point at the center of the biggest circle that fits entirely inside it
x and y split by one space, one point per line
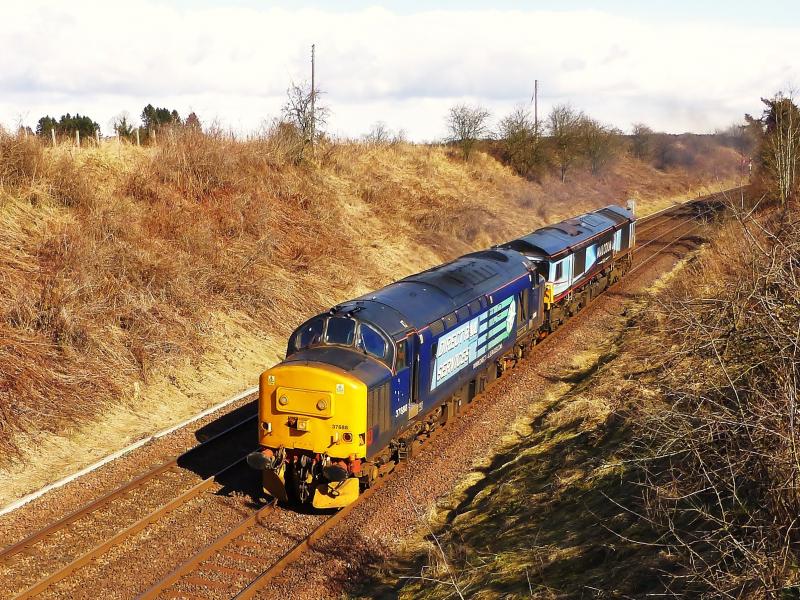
562 141
153 120
567 138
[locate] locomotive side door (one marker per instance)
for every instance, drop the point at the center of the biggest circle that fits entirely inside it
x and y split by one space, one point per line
402 383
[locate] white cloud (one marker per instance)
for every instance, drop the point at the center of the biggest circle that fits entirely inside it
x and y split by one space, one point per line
233 64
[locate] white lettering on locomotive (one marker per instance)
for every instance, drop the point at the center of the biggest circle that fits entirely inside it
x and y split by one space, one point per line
452 364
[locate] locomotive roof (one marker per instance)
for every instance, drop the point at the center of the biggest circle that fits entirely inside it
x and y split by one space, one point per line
555 239
420 299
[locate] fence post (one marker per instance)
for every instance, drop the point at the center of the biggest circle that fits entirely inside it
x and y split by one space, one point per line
77 138
53 135
137 137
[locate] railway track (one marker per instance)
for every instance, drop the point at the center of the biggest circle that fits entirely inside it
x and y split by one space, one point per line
252 573
191 579
42 541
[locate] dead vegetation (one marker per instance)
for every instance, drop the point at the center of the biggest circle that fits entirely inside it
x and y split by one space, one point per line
121 263
722 469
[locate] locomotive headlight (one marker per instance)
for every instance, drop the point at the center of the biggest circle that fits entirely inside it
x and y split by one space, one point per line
322 405
283 401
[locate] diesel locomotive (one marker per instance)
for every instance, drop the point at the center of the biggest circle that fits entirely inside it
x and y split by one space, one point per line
362 381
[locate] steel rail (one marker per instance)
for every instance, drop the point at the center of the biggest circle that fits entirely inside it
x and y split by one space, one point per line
660 250
104 500
122 452
202 558
692 201
126 533
219 544
638 248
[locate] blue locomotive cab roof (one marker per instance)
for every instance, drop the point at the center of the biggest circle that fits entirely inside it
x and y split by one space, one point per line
555 239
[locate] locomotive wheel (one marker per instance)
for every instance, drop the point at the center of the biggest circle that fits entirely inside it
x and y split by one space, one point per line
370 475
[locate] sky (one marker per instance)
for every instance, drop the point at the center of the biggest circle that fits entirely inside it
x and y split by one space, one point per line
676 66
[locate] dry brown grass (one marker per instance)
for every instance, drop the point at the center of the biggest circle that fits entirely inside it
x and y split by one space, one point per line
721 433
122 267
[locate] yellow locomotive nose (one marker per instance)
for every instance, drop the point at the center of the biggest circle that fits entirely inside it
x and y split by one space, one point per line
315 408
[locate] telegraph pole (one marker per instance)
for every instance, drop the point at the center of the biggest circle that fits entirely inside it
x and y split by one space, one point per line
313 93
536 105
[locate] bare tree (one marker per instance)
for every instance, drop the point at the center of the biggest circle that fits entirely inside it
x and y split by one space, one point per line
521 142
304 112
782 152
400 137
724 465
641 141
378 134
466 125
600 143
563 124
739 137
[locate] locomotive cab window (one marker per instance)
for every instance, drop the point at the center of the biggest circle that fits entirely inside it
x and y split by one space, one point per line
309 335
626 238
341 330
371 342
402 361
580 263
559 271
543 269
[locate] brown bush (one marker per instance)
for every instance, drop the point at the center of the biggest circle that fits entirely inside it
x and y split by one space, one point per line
21 160
724 469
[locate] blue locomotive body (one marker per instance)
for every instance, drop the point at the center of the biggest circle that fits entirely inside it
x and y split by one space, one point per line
445 324
425 346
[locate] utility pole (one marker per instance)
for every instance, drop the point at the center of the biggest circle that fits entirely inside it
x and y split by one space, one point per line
536 105
313 94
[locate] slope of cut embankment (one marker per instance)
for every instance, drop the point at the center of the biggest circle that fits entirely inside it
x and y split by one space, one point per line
142 285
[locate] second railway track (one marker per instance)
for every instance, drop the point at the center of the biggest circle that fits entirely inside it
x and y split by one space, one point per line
75 540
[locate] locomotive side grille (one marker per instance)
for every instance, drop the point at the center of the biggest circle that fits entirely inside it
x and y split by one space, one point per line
379 407
626 234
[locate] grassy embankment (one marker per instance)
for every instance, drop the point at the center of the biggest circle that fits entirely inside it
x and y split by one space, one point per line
142 285
667 466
